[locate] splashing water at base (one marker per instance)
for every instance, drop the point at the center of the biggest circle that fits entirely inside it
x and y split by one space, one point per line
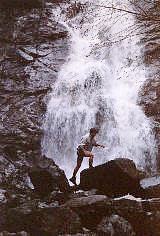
98 86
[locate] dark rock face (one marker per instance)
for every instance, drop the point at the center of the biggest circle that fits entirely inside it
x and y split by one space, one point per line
115 225
97 213
150 101
91 209
153 191
22 233
21 3
48 177
48 221
12 175
150 93
151 98
151 186
5 165
134 216
64 221
33 47
114 178
25 4
25 40
142 215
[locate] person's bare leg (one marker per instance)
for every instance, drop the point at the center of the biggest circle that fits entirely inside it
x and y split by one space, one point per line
76 170
90 155
91 161
79 162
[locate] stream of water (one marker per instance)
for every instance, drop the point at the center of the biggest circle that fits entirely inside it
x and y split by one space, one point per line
99 86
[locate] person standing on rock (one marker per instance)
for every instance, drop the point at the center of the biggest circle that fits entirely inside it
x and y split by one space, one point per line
84 150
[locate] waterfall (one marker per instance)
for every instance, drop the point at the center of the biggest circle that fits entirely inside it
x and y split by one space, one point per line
98 86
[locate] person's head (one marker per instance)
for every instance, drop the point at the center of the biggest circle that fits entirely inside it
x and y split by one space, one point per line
93 132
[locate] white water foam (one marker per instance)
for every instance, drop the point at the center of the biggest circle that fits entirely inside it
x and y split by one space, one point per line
99 85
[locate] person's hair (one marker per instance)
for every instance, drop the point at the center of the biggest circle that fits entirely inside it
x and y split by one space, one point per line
93 130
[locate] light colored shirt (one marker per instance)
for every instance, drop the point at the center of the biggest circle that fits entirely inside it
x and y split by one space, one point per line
87 142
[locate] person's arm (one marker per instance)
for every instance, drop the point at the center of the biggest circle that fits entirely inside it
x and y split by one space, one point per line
97 144
100 145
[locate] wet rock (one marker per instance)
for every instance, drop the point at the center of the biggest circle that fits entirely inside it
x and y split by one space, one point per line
74 9
91 209
18 218
151 186
139 216
33 47
3 201
24 209
17 181
42 181
22 233
85 201
151 205
3 198
153 191
15 199
150 101
45 221
6 169
12 174
57 196
115 226
47 177
150 98
114 178
21 3
60 220
82 194
86 233
142 215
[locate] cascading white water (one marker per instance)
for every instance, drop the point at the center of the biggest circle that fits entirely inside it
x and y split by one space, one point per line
99 85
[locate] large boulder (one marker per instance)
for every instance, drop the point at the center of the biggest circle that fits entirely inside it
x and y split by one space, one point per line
114 178
47 176
151 186
56 221
119 216
115 226
43 221
143 215
91 209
